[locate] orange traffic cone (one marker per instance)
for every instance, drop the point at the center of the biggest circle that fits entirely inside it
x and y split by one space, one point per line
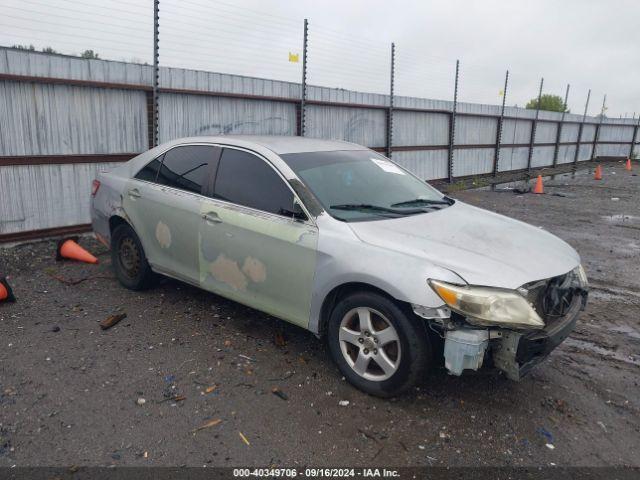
628 165
69 248
538 188
598 175
6 294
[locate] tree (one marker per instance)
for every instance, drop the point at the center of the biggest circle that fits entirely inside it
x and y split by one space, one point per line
49 50
89 54
24 47
553 103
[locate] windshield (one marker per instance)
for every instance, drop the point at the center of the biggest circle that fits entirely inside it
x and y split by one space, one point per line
357 185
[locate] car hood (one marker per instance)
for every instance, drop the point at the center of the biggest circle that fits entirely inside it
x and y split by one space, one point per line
482 247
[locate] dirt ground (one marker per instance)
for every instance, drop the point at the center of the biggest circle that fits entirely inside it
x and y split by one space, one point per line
72 394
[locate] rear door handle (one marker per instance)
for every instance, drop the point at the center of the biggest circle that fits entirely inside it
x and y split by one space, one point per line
211 217
134 193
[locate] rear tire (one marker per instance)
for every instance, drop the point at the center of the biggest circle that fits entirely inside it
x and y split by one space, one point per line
129 261
377 347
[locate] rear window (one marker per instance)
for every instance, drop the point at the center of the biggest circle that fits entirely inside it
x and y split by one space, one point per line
186 167
150 171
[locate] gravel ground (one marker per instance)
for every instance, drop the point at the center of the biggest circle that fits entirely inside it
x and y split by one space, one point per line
72 394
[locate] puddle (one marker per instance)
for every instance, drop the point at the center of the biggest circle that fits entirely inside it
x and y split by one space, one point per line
610 293
605 352
627 330
622 219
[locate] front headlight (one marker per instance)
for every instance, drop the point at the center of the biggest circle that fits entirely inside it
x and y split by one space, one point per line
488 306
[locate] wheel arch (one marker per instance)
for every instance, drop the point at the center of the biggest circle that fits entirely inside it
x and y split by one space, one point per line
347 288
117 220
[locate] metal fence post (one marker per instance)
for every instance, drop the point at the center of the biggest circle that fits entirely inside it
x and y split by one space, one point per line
496 158
534 126
635 134
391 99
156 73
560 125
452 125
596 137
303 93
580 128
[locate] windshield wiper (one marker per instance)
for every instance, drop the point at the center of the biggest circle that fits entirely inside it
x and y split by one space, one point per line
424 201
375 208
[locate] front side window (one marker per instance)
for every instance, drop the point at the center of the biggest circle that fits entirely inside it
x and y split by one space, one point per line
186 167
245 179
362 185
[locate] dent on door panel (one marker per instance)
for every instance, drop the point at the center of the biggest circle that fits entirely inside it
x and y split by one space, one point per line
260 260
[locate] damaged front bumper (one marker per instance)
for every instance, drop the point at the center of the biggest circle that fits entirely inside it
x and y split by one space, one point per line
513 352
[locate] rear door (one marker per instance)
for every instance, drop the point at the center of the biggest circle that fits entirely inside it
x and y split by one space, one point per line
252 249
166 212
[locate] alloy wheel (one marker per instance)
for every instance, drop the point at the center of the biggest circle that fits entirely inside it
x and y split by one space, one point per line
370 344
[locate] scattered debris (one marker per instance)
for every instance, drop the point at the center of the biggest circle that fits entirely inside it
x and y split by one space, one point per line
604 427
68 281
55 329
247 358
5 443
279 393
614 199
343 403
112 320
286 376
279 340
522 189
367 435
176 398
210 389
546 434
550 446
209 424
140 401
244 439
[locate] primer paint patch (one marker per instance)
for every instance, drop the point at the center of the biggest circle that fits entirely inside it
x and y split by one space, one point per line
254 269
227 271
163 235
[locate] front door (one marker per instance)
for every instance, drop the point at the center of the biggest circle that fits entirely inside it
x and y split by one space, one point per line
252 250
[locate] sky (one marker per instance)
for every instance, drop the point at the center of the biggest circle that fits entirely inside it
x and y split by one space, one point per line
589 44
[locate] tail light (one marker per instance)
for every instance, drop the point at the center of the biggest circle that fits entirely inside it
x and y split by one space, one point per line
94 187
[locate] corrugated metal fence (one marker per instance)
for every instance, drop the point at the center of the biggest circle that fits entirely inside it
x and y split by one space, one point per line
64 117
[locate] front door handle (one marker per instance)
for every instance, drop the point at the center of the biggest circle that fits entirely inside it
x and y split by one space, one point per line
211 217
134 193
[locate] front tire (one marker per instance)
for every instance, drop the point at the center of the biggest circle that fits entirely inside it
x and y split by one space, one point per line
129 261
377 347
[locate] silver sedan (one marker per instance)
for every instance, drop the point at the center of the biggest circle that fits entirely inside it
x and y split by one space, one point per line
342 241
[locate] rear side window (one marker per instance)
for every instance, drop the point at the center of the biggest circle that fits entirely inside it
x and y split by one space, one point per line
186 167
246 179
150 171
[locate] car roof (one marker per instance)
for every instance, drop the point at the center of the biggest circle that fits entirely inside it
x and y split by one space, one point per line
279 144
